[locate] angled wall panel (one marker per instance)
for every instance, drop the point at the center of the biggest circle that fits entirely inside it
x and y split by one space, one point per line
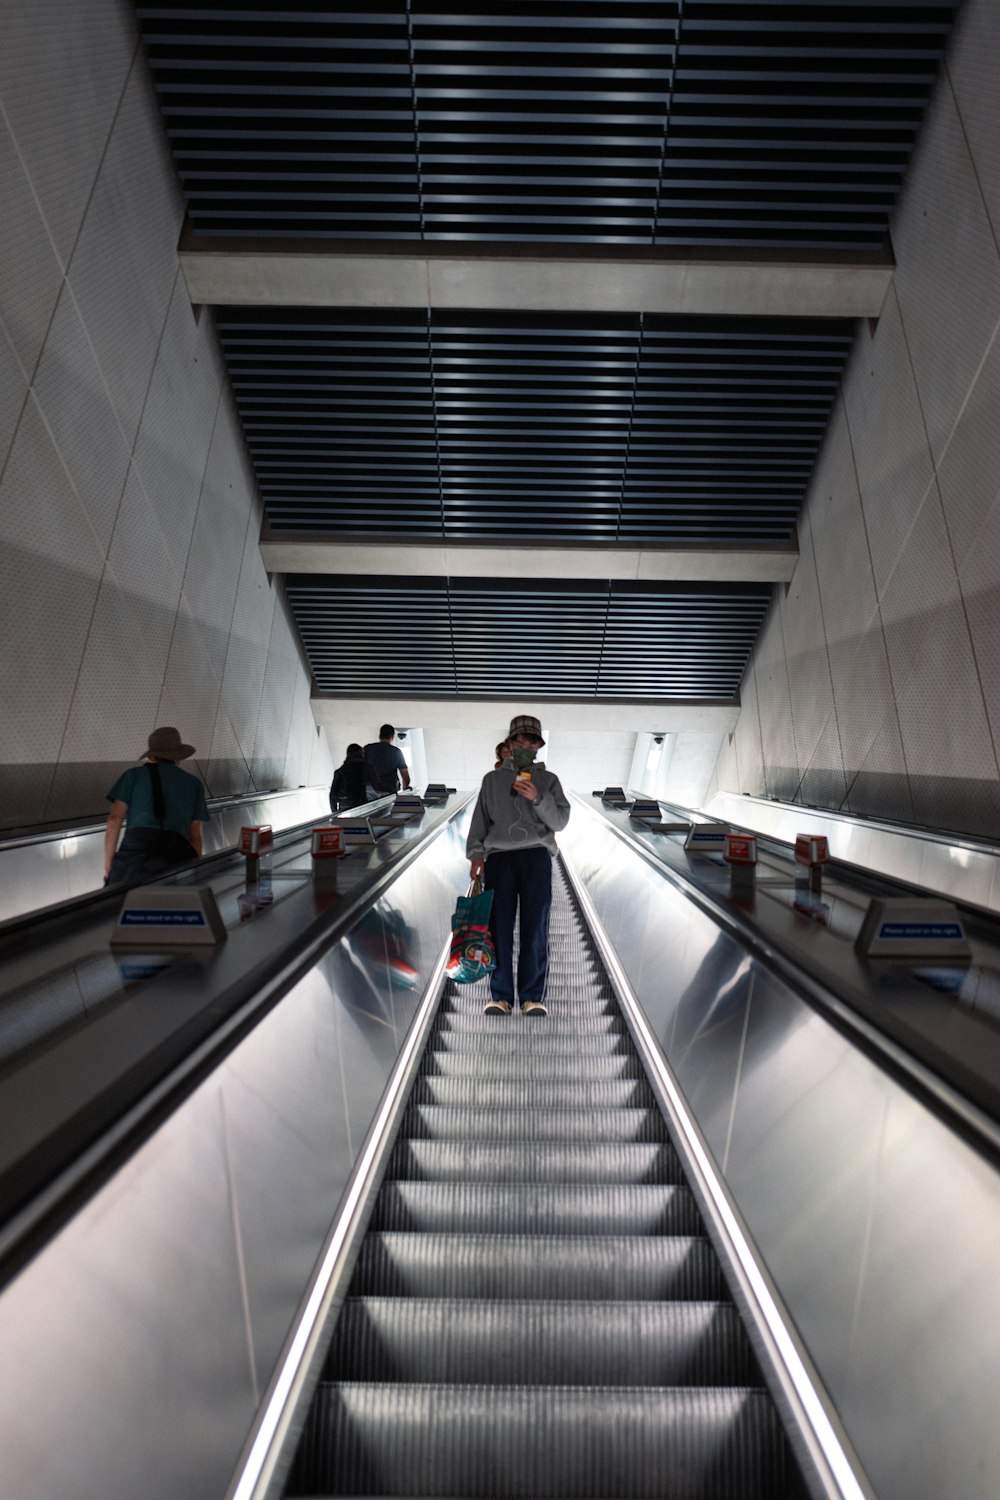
125 496
32 274
903 509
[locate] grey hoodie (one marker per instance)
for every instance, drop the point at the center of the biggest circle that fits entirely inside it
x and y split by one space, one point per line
503 820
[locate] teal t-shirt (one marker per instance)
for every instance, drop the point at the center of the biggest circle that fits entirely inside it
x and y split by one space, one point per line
183 798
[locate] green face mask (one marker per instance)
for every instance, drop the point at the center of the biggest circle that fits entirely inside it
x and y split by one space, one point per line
522 757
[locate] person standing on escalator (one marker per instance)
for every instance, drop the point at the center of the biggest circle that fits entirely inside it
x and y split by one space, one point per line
164 809
350 781
511 845
386 765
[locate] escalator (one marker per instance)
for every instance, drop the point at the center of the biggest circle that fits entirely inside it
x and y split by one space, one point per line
536 1309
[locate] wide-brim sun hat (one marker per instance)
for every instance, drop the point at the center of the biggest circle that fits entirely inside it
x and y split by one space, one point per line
166 744
525 724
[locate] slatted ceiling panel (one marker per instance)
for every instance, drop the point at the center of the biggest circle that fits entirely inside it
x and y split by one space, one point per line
691 643
617 122
479 637
742 125
366 635
791 125
468 427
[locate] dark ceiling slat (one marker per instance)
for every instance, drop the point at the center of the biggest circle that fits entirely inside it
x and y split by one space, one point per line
590 92
587 425
695 638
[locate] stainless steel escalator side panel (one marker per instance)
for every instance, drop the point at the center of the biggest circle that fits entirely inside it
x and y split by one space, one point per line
874 1220
960 867
41 870
153 1320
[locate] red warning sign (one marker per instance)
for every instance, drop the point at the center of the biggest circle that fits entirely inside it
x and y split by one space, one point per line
256 839
327 842
811 850
741 849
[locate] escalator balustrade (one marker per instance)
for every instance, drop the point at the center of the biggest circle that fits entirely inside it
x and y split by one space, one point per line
536 1310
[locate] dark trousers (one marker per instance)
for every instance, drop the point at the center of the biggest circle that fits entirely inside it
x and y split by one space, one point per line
147 852
520 877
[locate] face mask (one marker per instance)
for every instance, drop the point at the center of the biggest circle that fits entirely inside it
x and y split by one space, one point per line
522 757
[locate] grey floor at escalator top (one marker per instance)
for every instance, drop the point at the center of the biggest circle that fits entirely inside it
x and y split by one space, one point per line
535 1310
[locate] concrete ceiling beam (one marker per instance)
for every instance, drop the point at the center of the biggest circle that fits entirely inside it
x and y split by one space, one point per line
462 716
829 285
753 564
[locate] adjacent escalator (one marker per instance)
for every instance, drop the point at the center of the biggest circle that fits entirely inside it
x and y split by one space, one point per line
536 1309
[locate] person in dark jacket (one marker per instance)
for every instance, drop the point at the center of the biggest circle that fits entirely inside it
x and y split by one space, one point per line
348 788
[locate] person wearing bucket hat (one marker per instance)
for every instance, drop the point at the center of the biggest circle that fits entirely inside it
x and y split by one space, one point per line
511 844
164 809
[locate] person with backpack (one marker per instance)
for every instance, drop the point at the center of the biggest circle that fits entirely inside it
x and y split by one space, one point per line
163 808
349 787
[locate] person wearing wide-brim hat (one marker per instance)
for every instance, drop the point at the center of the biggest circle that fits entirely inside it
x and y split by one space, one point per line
163 808
511 845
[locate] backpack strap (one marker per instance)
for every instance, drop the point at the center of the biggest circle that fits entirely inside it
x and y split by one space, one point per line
159 803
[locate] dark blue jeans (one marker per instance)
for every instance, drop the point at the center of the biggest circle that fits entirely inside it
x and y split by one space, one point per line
145 853
520 877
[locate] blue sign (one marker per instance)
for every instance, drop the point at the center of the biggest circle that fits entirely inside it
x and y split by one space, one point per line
895 930
140 917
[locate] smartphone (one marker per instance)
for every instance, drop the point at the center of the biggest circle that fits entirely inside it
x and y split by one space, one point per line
519 776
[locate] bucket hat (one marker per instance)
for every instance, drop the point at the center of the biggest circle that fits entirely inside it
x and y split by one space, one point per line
525 724
166 744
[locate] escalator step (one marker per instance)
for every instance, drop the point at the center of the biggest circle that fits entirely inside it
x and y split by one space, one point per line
689 1443
541 1343
539 1093
570 1019
438 1122
535 1208
580 999
568 1267
510 1034
527 1065
519 1161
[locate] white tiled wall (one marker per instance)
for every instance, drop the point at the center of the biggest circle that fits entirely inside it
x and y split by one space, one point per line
875 685
131 587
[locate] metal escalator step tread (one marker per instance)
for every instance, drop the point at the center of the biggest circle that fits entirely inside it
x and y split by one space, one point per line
541 1343
579 999
526 1065
536 1208
439 1122
630 1268
558 1020
584 1001
519 1161
519 1093
690 1443
511 1034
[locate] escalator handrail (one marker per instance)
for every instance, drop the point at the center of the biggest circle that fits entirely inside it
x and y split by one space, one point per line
208 863
53 835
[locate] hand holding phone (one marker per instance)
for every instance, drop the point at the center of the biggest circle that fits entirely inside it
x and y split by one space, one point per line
523 786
